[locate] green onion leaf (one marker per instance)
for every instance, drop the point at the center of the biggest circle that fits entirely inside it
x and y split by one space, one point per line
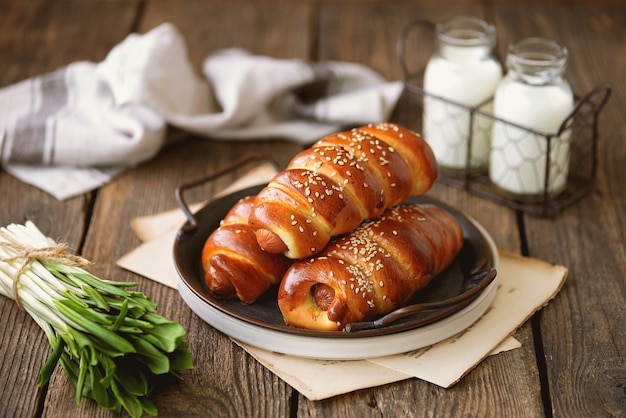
109 337
149 355
130 402
46 371
120 317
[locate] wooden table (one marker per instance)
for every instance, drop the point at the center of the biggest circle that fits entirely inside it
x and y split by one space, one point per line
573 357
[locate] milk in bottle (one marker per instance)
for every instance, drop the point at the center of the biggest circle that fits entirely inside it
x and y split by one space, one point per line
535 100
464 72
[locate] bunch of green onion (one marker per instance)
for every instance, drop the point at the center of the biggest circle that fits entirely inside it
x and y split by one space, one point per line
111 342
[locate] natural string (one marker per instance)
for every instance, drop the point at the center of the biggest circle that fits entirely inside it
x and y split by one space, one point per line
56 254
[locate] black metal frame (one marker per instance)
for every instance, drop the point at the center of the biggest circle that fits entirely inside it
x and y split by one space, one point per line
582 122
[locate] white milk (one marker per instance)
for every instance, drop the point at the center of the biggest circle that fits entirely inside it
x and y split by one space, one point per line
536 98
464 72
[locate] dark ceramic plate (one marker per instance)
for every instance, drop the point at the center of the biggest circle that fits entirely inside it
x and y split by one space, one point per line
264 313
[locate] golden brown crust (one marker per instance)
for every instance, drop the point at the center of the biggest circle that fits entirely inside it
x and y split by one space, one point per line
419 156
342 180
390 168
338 169
234 264
371 271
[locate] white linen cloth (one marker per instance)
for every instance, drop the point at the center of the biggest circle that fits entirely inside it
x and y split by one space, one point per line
74 129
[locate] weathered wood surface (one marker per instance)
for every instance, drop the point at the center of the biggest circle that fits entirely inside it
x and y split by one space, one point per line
582 332
572 359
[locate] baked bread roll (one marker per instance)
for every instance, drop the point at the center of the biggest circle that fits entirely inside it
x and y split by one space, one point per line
371 271
341 181
233 262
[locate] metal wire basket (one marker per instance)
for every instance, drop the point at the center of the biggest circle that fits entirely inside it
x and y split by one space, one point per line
581 125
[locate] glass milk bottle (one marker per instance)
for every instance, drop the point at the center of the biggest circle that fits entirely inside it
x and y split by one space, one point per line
533 95
464 72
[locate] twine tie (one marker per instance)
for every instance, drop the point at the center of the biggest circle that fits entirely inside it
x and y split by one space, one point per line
56 254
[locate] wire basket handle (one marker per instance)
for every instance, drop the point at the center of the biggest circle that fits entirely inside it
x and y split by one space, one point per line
400 45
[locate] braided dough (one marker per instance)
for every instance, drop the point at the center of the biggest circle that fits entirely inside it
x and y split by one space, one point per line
233 262
341 181
371 271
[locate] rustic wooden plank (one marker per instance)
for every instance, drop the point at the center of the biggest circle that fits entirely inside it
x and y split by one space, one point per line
367 34
281 30
583 329
40 36
37 37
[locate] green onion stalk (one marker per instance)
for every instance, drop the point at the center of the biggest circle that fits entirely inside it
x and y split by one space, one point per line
110 341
